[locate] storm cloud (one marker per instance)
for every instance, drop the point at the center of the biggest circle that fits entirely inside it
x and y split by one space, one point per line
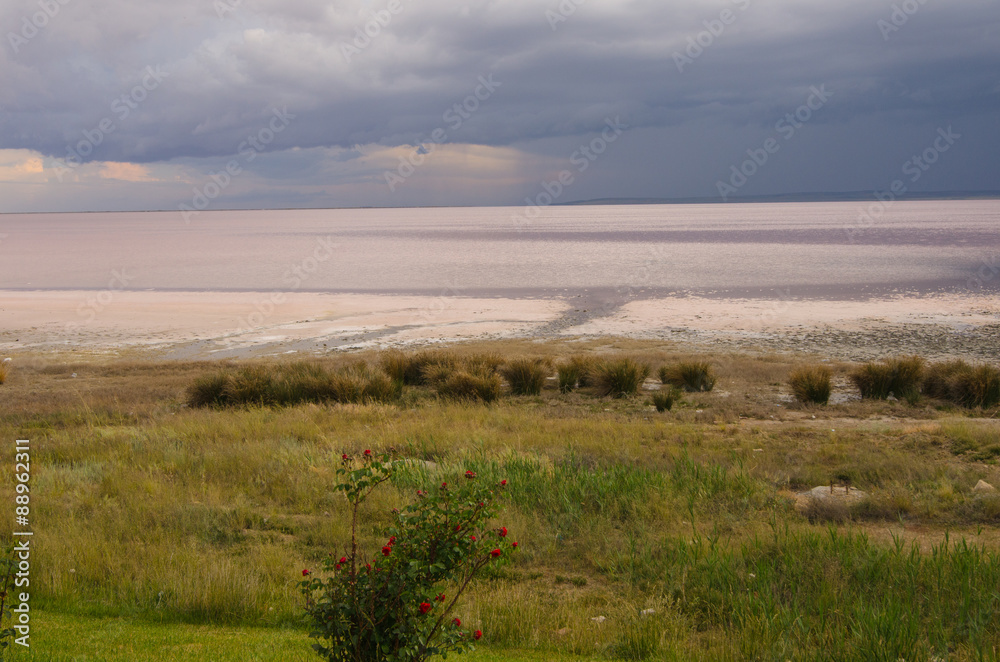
506 88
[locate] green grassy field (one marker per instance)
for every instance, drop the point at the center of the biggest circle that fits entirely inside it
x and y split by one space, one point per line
181 532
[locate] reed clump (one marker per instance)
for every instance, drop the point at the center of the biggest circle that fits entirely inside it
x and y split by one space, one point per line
620 378
692 376
463 385
292 384
664 399
576 371
964 384
899 377
811 384
526 376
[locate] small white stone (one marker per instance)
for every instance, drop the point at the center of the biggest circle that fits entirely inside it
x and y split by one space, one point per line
983 486
598 619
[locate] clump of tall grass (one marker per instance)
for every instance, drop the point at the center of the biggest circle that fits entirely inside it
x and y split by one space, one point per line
414 369
207 390
292 384
938 378
978 387
569 376
963 384
361 384
620 377
483 363
899 377
811 384
526 376
462 385
399 367
664 399
692 376
576 371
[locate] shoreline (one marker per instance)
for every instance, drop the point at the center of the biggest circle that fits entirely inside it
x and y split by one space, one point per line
224 325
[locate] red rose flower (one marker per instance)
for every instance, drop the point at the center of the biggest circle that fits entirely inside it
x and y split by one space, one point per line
503 482
457 622
503 532
440 597
344 456
478 635
473 538
392 540
458 527
514 544
343 559
305 572
470 474
368 453
495 553
425 607
336 567
386 550
444 486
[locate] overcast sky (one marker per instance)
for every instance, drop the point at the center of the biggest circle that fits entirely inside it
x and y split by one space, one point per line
144 104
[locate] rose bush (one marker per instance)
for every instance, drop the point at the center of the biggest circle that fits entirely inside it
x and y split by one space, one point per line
393 606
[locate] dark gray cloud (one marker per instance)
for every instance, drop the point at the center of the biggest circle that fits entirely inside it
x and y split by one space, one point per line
221 77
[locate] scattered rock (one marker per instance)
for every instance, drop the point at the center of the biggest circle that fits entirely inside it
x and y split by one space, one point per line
828 493
983 486
647 612
598 619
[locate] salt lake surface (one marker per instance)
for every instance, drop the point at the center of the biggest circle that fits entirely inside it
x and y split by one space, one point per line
813 250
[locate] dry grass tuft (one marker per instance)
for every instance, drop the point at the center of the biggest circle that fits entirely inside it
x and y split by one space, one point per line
963 384
526 376
462 385
899 377
664 399
811 384
620 378
692 376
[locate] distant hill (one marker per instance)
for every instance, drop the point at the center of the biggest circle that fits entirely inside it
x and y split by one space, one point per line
846 196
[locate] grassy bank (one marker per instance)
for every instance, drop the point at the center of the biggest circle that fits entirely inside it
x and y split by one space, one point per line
177 518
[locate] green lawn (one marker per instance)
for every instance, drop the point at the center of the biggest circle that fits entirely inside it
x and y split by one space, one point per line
58 637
